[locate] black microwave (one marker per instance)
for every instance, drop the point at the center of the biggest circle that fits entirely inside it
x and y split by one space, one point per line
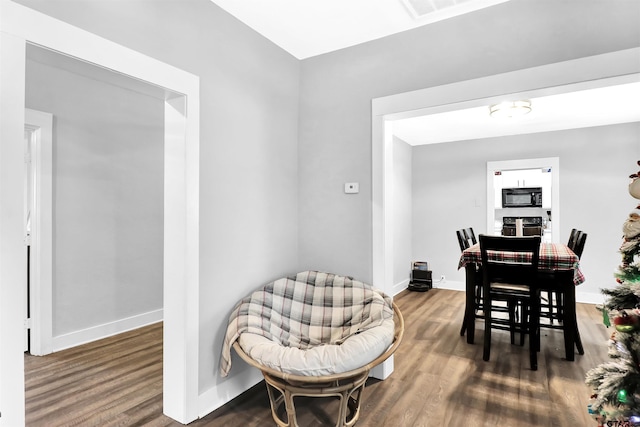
530 197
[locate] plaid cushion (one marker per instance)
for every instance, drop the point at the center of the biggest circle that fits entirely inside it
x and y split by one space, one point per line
307 310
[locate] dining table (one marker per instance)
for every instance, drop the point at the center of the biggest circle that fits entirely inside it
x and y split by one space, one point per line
558 264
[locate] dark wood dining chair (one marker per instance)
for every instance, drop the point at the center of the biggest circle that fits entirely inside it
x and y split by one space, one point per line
466 237
553 304
555 285
513 279
463 242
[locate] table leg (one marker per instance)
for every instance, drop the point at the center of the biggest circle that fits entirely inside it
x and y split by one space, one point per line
569 316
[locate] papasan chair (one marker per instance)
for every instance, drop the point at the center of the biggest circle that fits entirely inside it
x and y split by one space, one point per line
313 334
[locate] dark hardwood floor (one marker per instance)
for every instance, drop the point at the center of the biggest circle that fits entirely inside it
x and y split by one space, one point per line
439 379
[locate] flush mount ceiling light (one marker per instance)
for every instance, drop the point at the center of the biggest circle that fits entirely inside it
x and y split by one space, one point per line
437 10
510 109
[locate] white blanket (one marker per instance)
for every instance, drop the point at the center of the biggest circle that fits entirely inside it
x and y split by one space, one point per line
309 310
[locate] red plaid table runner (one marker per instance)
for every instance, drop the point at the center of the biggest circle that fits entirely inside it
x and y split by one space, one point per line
553 256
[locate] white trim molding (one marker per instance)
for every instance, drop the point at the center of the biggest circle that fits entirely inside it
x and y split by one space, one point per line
98 332
20 26
584 73
553 162
41 283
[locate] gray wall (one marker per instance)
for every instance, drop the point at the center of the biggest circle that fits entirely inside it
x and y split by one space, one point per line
336 91
248 147
108 197
280 137
595 164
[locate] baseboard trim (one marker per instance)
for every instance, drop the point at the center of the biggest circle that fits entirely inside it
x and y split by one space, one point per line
589 297
399 287
76 338
451 285
225 391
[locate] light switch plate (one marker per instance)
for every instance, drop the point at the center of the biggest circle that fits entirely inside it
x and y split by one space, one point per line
351 187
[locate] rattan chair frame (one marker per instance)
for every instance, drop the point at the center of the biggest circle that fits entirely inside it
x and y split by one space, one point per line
283 387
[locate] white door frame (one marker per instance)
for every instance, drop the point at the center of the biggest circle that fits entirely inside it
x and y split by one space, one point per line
41 300
517 164
584 73
18 26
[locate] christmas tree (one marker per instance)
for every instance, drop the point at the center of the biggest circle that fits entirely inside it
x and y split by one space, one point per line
616 383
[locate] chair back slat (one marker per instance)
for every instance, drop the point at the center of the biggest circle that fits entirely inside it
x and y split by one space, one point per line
462 240
573 238
466 238
576 242
519 266
579 246
470 235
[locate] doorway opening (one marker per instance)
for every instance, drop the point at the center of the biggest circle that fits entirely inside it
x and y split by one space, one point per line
108 179
544 173
179 92
598 71
39 229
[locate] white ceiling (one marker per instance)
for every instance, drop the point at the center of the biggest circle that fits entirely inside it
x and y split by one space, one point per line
584 108
307 28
